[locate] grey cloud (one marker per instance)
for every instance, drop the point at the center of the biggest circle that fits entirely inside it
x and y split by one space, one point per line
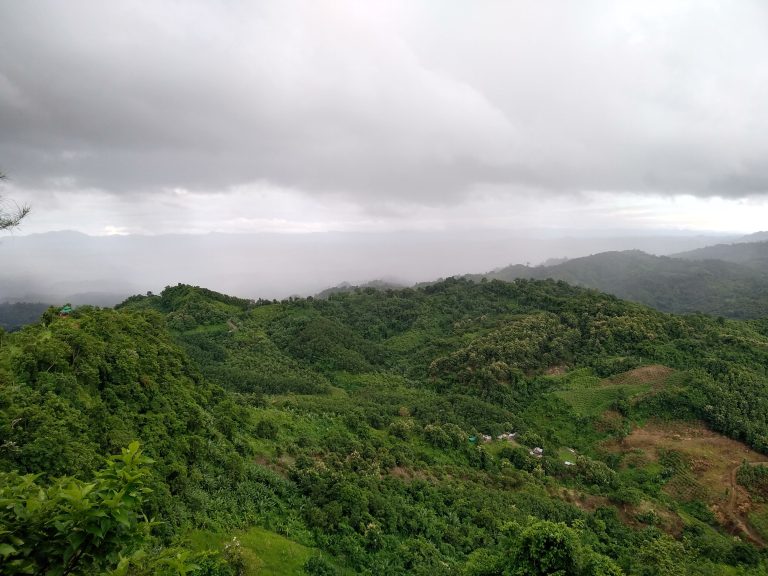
405 102
750 180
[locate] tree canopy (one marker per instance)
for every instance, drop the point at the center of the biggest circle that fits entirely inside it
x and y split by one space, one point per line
395 431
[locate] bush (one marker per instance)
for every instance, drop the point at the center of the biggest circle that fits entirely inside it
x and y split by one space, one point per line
266 429
754 479
547 548
594 472
319 566
400 429
436 436
81 528
531 439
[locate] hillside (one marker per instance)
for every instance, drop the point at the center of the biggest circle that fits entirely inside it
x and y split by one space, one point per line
393 431
761 236
680 285
15 315
347 287
753 254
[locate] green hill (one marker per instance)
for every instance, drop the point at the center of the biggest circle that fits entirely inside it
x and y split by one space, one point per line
681 284
17 314
393 431
753 254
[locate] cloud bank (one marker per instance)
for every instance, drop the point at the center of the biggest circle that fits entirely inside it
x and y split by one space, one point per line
382 107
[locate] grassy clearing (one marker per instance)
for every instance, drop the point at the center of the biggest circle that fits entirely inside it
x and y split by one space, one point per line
595 401
268 553
590 396
265 553
759 520
565 454
495 447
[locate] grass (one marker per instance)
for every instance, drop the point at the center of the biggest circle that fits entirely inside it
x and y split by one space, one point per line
268 553
495 447
587 395
595 401
759 520
265 553
565 454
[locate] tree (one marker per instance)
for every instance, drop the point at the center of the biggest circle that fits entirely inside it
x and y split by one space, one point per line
662 555
547 548
9 220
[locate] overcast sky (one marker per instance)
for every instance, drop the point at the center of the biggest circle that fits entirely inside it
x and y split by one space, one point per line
290 116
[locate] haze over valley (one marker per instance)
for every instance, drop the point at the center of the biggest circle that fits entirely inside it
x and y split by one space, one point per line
104 270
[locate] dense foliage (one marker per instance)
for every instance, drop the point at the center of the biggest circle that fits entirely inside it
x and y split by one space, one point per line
692 283
373 426
752 253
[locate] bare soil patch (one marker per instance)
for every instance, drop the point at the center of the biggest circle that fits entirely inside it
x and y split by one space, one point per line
654 374
709 474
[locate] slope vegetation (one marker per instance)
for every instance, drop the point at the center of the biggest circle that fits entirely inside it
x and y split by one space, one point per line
752 254
711 283
395 431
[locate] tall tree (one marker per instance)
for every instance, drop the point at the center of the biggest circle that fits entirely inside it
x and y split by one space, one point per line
11 219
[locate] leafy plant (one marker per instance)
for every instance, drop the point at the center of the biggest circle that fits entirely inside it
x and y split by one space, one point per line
71 526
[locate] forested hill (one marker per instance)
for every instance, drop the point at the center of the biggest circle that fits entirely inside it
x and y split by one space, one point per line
347 287
761 236
752 254
682 284
394 432
17 314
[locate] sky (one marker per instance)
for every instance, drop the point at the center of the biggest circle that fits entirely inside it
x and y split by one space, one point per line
170 117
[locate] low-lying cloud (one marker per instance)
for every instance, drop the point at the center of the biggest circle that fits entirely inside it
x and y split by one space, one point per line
384 105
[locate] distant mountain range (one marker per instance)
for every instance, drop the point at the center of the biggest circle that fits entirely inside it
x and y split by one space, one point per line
15 315
57 266
735 285
755 237
721 279
752 254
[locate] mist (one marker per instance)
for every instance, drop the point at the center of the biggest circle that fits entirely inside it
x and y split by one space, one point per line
275 148
103 270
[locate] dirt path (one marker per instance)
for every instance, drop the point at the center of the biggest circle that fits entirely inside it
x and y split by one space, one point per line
736 495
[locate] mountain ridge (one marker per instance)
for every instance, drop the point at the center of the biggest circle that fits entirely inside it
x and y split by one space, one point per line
670 284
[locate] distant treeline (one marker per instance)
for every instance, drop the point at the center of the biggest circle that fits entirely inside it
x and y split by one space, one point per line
735 286
14 316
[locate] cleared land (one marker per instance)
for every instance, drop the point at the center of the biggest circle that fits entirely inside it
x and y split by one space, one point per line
591 396
703 467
